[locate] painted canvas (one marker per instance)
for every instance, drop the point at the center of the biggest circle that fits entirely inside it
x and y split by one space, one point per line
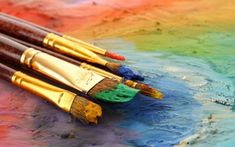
185 48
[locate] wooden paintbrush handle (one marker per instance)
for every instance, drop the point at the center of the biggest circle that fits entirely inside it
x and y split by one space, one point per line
32 24
21 30
11 51
6 72
76 62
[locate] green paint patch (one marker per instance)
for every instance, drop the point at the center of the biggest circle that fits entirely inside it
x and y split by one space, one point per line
215 47
122 93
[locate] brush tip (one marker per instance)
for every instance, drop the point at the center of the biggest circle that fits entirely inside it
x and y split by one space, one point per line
112 91
157 94
149 91
115 56
120 94
85 110
128 74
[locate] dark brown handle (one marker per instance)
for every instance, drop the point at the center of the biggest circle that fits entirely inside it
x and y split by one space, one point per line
11 51
30 23
21 30
6 72
73 61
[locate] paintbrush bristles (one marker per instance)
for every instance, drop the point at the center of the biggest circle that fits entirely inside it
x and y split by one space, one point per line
105 84
124 71
145 89
114 56
85 110
149 91
112 91
114 67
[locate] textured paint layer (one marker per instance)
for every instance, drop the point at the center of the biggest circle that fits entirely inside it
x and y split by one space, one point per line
183 47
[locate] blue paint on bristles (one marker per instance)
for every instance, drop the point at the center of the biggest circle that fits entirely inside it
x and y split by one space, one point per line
128 74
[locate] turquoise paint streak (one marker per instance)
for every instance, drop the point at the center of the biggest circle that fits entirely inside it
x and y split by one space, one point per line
191 82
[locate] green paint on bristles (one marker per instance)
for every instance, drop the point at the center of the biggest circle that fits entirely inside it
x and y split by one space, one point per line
120 94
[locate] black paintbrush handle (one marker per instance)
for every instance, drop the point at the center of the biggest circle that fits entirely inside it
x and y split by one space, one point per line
6 72
21 30
11 51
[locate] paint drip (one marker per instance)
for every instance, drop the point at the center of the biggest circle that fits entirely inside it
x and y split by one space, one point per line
128 74
121 93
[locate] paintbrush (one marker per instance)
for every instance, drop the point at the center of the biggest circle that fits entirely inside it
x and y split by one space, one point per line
56 43
86 45
69 74
81 108
144 88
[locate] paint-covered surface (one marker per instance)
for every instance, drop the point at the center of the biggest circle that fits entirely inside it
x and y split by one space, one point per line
183 47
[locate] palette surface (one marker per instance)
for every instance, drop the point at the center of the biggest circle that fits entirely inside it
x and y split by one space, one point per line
185 48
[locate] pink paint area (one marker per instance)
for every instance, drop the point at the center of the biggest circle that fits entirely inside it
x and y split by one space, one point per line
16 116
75 15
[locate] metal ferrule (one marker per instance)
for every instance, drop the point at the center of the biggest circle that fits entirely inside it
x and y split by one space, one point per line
60 97
86 45
60 70
101 72
71 48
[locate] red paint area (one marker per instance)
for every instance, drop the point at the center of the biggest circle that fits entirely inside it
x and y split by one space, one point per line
115 56
68 18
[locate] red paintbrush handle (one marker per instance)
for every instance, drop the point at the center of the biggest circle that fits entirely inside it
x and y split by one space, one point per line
11 51
6 72
21 30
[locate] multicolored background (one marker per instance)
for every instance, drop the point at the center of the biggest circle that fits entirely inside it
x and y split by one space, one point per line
186 48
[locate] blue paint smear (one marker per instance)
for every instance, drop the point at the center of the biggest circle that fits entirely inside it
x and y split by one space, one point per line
160 122
189 85
157 123
193 89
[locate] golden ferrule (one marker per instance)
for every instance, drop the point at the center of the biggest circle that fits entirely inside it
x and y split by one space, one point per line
101 72
60 97
60 70
51 41
86 45
28 56
71 48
